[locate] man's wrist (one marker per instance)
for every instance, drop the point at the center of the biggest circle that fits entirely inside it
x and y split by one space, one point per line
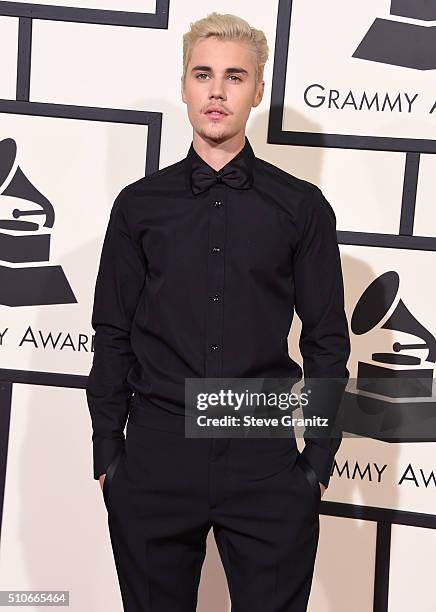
320 460
104 452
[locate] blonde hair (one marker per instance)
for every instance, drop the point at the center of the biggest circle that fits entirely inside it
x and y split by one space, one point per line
226 27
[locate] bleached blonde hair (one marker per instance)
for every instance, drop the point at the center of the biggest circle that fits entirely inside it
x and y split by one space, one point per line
226 27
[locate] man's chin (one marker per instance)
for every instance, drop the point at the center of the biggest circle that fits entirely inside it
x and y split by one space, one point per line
214 135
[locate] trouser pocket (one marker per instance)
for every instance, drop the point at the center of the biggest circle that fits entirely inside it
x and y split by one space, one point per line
110 472
310 476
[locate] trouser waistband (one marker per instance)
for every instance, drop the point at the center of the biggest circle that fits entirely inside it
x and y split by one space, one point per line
147 414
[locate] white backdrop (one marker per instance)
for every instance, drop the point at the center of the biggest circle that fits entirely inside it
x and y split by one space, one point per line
78 155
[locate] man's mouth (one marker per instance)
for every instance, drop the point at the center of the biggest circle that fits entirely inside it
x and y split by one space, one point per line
214 114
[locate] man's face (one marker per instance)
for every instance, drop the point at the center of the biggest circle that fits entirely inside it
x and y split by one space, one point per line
220 73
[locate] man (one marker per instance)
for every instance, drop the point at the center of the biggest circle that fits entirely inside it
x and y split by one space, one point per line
202 265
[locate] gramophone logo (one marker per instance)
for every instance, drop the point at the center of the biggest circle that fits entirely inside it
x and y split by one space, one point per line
23 242
400 43
397 373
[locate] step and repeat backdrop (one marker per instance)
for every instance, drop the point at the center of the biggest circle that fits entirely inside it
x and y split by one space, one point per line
89 102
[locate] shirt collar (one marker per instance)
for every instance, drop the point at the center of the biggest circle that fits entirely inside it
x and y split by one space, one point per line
246 154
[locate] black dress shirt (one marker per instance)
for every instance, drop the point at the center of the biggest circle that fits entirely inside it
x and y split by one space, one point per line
205 285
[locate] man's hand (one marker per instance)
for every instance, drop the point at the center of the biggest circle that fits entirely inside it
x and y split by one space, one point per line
322 487
101 479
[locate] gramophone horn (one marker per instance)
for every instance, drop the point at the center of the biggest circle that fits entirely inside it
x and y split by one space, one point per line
403 320
374 302
19 186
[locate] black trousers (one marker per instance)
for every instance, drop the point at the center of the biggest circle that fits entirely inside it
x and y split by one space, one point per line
164 492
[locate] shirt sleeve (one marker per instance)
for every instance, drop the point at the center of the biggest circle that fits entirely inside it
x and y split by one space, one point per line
324 341
120 279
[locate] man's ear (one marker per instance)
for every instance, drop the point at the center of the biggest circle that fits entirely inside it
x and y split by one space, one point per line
259 94
182 89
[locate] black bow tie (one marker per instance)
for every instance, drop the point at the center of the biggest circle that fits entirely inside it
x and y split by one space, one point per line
235 174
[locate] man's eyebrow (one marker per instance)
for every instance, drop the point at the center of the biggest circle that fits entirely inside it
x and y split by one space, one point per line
227 70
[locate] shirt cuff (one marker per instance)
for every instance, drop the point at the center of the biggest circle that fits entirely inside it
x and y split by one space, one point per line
320 459
104 451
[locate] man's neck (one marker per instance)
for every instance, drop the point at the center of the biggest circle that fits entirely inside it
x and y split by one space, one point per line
218 155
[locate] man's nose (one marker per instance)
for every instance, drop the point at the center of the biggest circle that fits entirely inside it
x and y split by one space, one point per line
217 89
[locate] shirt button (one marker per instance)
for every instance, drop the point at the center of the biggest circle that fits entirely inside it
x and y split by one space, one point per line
215 298
217 204
216 250
213 347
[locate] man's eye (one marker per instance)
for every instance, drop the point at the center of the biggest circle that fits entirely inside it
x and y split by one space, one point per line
203 74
